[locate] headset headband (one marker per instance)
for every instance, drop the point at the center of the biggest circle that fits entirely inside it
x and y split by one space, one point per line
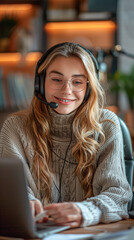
44 56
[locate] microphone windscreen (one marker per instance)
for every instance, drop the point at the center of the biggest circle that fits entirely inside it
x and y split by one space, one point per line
53 105
117 48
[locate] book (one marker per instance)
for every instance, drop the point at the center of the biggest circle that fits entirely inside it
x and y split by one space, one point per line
6 94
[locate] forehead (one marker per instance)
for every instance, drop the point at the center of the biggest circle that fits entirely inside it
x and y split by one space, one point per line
70 64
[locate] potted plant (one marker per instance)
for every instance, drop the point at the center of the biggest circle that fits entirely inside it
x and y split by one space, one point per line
125 82
7 25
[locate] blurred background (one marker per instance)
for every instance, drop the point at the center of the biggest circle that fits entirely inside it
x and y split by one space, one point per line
30 27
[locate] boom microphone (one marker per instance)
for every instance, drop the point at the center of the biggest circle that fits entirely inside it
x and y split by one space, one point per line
53 105
118 50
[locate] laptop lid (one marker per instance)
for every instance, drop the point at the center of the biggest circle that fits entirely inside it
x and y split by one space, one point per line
15 214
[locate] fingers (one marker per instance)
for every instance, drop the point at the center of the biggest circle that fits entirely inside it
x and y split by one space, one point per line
69 220
36 207
65 214
39 209
32 208
71 224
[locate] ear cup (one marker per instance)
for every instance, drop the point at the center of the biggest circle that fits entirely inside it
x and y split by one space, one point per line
42 85
39 85
36 84
87 94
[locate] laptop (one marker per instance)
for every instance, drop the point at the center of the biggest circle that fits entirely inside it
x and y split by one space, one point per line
15 215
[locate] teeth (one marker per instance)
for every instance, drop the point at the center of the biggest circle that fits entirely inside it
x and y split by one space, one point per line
65 100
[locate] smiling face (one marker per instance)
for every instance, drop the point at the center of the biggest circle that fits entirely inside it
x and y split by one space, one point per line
63 69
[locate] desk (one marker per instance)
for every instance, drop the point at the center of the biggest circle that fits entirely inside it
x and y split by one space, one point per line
111 227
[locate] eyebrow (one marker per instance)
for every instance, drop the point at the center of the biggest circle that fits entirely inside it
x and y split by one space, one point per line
56 72
75 75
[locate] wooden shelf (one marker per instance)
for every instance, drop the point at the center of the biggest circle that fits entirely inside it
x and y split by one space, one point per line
80 25
18 57
16 62
37 2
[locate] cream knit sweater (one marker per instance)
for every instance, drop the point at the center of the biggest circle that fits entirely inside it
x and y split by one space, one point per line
111 191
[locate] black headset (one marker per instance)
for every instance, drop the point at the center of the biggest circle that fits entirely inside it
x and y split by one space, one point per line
39 83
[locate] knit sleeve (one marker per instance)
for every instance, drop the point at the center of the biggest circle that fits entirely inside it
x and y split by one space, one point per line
10 144
11 147
111 191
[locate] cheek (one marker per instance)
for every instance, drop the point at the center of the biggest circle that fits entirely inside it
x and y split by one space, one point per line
47 91
81 95
47 87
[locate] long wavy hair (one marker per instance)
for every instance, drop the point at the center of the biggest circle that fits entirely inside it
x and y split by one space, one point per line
86 122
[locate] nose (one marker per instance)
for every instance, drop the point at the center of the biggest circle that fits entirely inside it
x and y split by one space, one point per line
67 86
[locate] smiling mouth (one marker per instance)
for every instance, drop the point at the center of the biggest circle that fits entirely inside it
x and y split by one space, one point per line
64 100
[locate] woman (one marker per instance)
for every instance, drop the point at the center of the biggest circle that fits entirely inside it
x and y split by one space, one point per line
71 147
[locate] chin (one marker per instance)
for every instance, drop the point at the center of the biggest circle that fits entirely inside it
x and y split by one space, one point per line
65 110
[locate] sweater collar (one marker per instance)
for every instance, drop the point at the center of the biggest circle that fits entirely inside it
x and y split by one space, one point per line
61 124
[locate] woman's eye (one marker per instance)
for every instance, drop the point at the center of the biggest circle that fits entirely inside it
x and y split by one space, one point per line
77 82
56 80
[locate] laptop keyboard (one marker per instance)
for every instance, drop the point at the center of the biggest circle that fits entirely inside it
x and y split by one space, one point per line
46 225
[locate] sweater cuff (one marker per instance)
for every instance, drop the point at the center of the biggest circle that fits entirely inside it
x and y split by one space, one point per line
91 214
31 197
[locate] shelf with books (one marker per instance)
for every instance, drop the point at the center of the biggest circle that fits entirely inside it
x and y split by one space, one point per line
16 79
27 18
19 57
78 21
16 91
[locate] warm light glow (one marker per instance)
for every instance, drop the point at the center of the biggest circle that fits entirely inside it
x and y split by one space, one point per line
10 57
33 56
75 26
17 57
15 8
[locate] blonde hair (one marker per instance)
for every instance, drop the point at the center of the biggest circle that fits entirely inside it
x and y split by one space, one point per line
87 121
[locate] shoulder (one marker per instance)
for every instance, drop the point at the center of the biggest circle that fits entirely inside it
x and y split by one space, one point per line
16 130
15 118
14 122
109 115
110 123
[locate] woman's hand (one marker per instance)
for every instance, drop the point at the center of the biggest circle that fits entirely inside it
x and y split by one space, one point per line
67 214
36 207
